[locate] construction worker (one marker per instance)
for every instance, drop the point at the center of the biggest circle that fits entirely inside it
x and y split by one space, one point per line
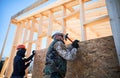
57 56
20 62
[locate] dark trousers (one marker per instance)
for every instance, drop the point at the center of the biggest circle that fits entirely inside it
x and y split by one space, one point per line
17 77
56 75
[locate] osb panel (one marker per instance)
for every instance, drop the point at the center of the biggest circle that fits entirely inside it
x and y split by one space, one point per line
95 59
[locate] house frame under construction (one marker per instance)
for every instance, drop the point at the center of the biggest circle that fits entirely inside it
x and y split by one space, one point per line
81 19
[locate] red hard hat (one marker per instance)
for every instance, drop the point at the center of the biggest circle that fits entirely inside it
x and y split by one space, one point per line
21 46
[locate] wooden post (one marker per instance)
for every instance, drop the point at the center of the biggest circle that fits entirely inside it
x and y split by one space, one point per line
82 20
113 7
25 32
20 33
13 51
39 32
49 28
29 47
4 67
2 51
63 20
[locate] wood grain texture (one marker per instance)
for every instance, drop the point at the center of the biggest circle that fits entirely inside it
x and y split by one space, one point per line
96 59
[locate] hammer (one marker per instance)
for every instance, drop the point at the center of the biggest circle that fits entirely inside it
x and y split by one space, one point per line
66 37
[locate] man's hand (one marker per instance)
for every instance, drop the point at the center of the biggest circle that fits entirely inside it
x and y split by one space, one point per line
28 64
75 44
33 52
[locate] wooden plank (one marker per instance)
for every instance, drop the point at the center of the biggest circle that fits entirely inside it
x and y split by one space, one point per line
97 21
25 33
37 3
49 32
74 14
4 67
96 13
13 52
48 7
58 3
82 20
88 15
3 47
20 33
63 21
94 5
40 24
54 20
40 29
29 47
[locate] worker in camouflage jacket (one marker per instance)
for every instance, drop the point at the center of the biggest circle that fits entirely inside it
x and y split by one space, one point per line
57 56
20 62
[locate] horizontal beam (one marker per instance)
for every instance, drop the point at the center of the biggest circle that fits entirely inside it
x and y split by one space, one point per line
94 5
37 3
48 7
68 17
88 15
58 3
97 21
98 12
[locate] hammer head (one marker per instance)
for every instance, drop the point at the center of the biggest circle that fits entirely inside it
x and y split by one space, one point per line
66 36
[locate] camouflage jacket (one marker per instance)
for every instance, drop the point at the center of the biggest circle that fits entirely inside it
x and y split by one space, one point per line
57 56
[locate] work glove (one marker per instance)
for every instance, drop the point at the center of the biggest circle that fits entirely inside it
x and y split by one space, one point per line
28 64
33 52
75 44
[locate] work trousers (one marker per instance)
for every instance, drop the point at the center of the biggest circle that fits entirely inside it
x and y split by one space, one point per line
53 75
17 77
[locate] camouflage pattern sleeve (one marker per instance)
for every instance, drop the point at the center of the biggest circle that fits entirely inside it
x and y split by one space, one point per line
67 53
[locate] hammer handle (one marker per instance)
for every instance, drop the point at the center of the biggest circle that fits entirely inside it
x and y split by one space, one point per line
70 39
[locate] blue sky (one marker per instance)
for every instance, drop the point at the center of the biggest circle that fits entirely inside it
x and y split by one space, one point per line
9 8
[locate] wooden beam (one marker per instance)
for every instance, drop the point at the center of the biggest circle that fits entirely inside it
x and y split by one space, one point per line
97 21
74 14
58 3
3 47
48 7
13 52
25 32
40 29
96 13
37 3
70 9
88 15
63 20
94 5
29 47
40 24
82 20
20 33
49 32
4 67
54 20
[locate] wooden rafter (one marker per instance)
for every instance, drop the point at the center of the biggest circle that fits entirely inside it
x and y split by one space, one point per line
48 7
37 3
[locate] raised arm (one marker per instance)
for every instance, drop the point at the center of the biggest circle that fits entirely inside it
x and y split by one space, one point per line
63 51
30 57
